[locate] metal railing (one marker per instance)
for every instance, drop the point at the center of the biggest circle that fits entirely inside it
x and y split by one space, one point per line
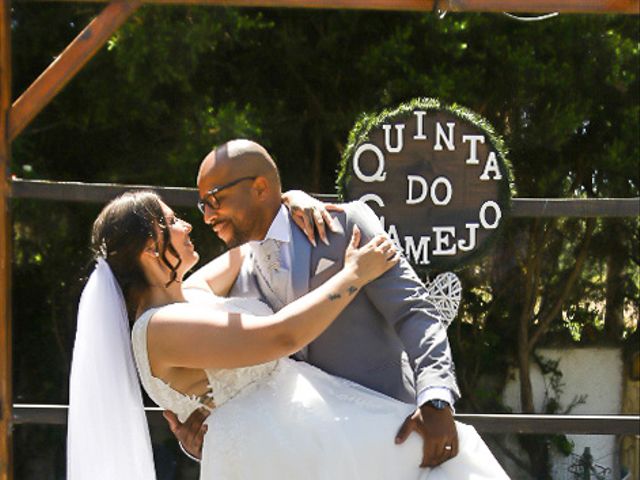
30 414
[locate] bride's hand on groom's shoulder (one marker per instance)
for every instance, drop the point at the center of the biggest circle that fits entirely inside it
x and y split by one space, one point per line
373 258
311 215
191 433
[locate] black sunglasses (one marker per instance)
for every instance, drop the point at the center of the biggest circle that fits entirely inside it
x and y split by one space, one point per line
210 197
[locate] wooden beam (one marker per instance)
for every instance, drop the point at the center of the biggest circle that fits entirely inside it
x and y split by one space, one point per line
543 6
6 394
513 6
187 197
96 192
558 424
67 64
576 207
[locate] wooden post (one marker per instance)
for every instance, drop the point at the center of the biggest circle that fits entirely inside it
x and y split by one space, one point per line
67 64
6 395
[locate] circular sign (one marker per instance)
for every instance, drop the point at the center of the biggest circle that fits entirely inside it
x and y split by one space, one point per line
435 174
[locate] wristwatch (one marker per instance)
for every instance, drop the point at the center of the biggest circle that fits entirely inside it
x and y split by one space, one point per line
438 404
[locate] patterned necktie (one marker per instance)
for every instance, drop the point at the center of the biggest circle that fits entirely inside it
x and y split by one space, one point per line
274 277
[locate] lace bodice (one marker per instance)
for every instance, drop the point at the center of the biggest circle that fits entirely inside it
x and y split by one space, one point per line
223 383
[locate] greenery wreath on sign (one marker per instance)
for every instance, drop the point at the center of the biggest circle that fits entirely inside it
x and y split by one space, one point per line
437 175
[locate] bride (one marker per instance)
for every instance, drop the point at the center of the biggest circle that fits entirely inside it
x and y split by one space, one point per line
272 417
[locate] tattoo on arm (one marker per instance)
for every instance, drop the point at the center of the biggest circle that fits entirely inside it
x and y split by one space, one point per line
334 296
352 290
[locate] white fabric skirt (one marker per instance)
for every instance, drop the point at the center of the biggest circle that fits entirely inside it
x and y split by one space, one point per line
302 423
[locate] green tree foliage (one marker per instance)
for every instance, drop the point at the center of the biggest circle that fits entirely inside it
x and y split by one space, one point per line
176 80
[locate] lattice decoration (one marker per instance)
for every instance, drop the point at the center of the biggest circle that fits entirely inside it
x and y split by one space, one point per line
445 291
584 466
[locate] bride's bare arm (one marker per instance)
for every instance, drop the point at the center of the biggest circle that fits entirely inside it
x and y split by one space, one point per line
219 274
193 336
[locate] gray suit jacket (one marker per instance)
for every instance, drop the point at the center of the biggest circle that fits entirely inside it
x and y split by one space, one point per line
386 339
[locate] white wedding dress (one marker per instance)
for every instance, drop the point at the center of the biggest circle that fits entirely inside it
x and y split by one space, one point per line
287 420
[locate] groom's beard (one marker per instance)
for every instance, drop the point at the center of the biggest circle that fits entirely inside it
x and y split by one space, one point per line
230 233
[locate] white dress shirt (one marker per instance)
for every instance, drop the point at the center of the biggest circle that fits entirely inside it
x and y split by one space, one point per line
280 230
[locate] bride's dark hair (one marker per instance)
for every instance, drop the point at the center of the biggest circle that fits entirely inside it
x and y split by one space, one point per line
120 234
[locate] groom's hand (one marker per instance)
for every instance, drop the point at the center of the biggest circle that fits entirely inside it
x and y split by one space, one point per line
190 434
438 432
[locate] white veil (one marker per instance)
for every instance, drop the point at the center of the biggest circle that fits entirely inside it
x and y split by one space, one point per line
108 436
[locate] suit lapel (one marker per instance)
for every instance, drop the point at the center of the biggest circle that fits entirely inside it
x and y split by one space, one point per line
300 268
301 262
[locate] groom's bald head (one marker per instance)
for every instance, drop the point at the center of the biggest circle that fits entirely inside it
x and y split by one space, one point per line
236 159
239 186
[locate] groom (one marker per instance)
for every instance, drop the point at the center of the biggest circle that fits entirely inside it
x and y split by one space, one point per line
386 340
